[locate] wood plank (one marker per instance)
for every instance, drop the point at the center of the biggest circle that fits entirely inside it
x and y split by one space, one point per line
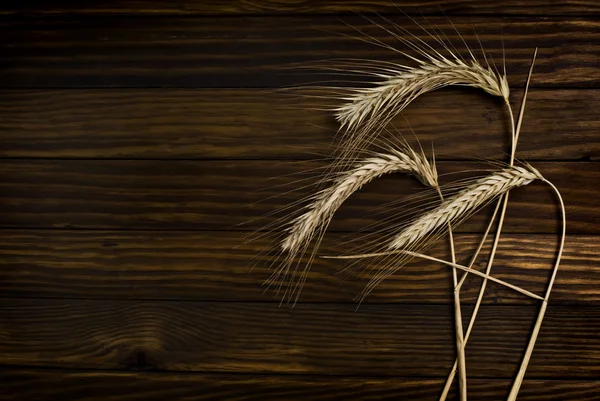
310 339
257 52
218 195
270 7
29 384
256 124
215 266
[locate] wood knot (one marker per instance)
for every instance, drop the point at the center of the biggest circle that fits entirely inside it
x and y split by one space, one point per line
139 360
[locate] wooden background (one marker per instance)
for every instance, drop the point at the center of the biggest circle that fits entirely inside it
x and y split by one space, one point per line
135 133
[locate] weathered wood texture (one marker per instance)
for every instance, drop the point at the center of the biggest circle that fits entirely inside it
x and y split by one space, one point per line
258 52
237 7
198 266
221 195
95 386
259 124
312 339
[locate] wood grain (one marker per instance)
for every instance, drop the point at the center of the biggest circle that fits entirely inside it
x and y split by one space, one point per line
222 195
271 7
311 339
256 124
28 384
215 266
258 52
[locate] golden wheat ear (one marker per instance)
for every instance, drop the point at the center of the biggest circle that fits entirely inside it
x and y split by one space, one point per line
459 207
394 85
375 106
310 226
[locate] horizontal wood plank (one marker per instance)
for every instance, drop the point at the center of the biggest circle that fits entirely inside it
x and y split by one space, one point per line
257 124
216 266
29 384
258 52
219 195
269 7
311 339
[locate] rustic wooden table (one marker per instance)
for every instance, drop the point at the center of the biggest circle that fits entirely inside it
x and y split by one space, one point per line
134 135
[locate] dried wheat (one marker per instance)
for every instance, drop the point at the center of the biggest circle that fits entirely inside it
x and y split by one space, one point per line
328 200
402 84
460 206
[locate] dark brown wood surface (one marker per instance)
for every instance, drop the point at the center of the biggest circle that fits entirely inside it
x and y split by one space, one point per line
41 384
198 265
265 52
142 141
197 124
312 339
262 7
234 195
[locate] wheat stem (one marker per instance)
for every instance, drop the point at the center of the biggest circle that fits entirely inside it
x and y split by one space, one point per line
460 349
538 324
452 373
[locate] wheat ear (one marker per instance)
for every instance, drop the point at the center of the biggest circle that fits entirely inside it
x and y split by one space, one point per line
401 84
328 200
315 220
466 202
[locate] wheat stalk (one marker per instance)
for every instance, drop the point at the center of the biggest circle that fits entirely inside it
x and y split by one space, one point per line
465 203
426 228
514 391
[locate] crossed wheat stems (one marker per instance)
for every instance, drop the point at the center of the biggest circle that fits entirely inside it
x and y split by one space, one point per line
364 116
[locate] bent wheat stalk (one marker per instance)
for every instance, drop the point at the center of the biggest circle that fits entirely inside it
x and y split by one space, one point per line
514 391
466 202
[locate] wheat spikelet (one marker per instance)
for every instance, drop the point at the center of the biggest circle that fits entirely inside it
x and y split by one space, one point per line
460 206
